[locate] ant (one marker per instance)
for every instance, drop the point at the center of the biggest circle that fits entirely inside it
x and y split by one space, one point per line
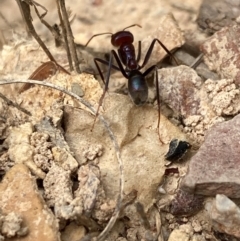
137 86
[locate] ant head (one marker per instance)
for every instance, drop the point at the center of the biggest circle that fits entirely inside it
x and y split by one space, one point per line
122 37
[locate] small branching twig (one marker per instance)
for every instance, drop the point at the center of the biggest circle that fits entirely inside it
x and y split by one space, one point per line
9 102
26 14
53 29
143 215
115 215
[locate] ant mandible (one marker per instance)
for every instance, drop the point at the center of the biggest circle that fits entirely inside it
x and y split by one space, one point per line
137 86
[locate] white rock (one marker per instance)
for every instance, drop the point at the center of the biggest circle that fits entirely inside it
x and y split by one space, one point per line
178 235
225 215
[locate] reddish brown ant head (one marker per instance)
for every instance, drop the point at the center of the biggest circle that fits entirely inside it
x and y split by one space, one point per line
122 37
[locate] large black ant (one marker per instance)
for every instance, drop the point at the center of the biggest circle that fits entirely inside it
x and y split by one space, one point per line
137 86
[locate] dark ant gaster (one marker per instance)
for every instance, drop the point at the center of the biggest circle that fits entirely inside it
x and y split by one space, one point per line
137 86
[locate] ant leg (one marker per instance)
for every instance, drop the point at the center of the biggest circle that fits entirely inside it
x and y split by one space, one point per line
159 105
139 52
154 67
96 60
196 62
150 49
105 87
110 66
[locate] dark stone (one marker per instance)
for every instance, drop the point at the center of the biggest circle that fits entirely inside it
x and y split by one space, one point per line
186 204
177 149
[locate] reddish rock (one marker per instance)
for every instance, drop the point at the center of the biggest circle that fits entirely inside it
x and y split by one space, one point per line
186 204
215 167
19 194
222 52
179 88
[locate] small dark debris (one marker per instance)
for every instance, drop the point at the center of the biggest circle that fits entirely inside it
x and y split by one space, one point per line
169 171
224 236
177 149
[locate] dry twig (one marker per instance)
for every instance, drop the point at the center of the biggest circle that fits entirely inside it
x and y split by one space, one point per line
9 102
68 31
26 14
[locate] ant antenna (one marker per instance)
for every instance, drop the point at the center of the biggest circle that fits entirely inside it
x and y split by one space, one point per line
133 25
95 35
99 34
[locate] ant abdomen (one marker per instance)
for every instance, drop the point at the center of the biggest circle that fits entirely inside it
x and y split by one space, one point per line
137 87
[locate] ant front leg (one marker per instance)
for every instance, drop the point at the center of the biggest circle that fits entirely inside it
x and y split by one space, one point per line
150 69
110 66
150 49
96 60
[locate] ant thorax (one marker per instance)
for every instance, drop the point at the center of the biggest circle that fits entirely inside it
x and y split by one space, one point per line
126 53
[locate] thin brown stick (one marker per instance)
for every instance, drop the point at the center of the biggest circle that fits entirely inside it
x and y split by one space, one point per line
107 229
143 215
70 37
9 102
55 31
65 36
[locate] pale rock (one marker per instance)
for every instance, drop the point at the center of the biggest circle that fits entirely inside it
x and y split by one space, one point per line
197 227
198 237
73 232
12 226
179 235
58 191
225 215
89 180
21 134
64 159
179 88
223 96
136 133
185 93
172 40
19 194
21 153
93 151
20 149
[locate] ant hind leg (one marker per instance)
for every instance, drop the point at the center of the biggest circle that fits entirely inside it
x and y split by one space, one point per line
159 105
150 49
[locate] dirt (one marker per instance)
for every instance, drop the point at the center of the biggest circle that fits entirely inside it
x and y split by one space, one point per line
80 170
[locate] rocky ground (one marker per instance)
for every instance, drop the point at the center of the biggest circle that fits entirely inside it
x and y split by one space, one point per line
61 179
